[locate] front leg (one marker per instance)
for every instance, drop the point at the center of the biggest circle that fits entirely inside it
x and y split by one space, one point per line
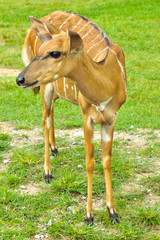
90 163
47 164
106 142
47 96
52 139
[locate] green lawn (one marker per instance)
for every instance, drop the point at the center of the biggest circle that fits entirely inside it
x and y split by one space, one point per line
44 209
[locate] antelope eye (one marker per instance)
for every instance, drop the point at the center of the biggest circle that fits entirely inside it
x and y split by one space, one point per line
55 54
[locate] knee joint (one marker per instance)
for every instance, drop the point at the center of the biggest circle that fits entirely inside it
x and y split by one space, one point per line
107 162
90 166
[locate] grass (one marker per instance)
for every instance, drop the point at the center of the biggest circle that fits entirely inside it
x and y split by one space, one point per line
28 206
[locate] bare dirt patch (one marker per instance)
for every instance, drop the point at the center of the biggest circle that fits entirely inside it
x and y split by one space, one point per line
31 188
2 167
23 136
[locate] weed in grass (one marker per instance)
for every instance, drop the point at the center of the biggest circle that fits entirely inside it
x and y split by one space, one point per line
151 150
11 181
69 181
152 183
4 141
149 216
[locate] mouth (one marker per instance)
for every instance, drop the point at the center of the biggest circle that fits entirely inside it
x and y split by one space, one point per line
33 85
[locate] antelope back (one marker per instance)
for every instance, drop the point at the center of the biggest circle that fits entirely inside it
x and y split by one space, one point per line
96 42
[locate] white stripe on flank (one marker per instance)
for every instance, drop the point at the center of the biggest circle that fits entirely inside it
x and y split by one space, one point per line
122 70
88 32
96 37
95 44
77 24
53 14
84 27
64 83
35 43
56 17
75 89
56 83
100 53
66 20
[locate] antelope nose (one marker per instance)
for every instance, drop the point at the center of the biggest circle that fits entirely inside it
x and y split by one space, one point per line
20 81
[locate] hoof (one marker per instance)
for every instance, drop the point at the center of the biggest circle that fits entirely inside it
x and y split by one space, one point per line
48 178
115 220
55 152
113 217
90 220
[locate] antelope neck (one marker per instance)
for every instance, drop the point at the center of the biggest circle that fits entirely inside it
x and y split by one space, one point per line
92 80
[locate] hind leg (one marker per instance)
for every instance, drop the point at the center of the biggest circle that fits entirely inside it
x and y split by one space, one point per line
52 140
106 142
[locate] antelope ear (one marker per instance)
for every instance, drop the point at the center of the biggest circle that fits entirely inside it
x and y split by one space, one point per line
44 30
76 42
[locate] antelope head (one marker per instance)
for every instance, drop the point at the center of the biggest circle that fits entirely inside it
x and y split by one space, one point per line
56 58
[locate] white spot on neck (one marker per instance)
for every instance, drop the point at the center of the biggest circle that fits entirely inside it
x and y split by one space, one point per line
56 76
102 105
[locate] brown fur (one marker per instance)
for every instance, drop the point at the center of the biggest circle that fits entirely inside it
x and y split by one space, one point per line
90 72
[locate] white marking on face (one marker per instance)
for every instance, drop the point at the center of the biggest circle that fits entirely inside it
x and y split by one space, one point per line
72 87
66 20
105 136
56 76
48 95
48 122
59 64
